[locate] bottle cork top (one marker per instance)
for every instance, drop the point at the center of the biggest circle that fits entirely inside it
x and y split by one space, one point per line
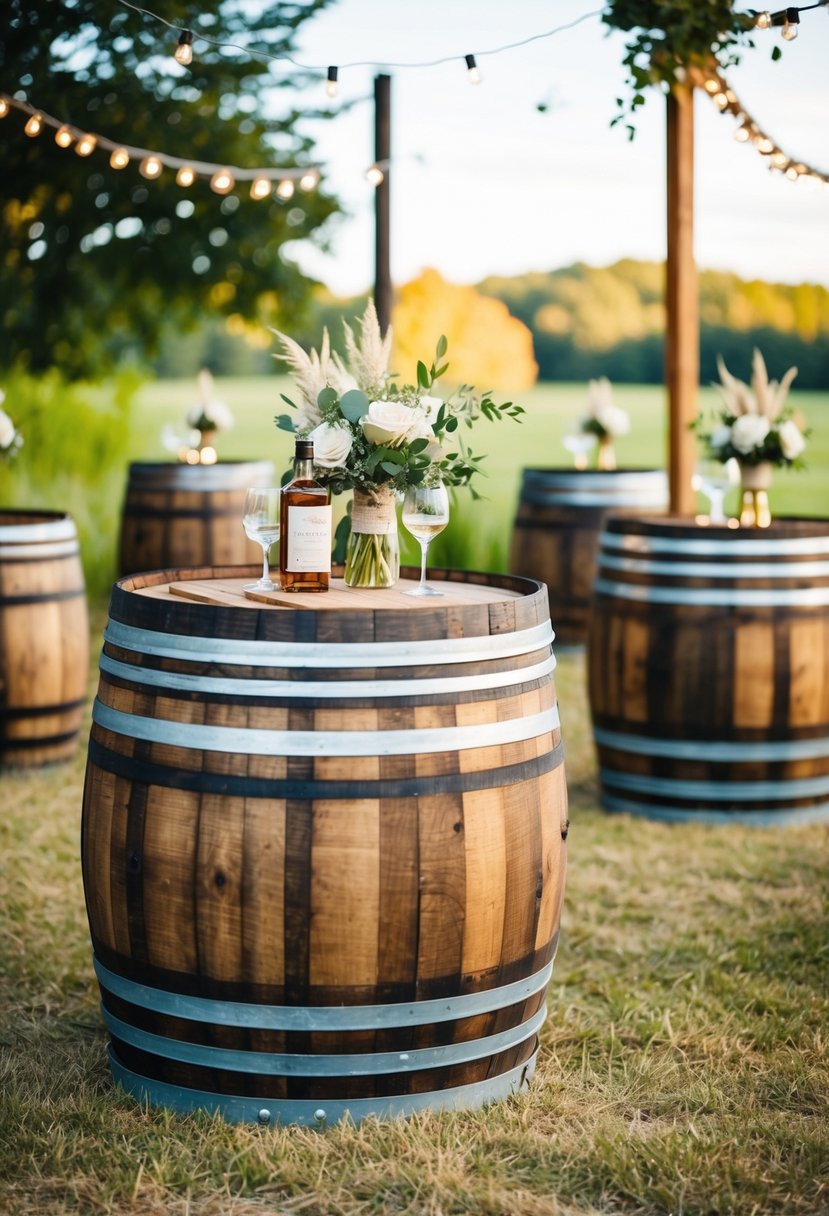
304 449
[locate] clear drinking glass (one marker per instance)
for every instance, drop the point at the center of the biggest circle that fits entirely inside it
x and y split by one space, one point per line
261 522
713 479
425 513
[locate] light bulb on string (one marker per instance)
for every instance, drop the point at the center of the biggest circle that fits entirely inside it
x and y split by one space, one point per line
374 175
712 85
185 176
120 158
472 73
183 53
779 159
742 134
260 187
34 125
4 107
63 137
309 180
331 82
285 189
762 21
791 24
720 101
150 167
222 181
86 145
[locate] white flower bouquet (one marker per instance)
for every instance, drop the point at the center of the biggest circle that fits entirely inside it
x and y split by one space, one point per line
208 414
755 425
377 437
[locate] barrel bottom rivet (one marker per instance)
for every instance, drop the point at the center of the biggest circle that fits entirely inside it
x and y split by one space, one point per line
264 1115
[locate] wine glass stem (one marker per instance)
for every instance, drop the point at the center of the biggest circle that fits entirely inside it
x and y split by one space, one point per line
266 573
424 547
715 506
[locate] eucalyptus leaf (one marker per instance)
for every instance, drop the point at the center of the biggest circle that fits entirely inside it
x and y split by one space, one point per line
326 398
284 422
354 405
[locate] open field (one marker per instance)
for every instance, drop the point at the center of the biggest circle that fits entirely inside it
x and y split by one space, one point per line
683 1066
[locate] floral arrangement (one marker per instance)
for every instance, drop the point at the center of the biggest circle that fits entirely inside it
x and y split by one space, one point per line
378 437
10 438
604 419
208 414
756 426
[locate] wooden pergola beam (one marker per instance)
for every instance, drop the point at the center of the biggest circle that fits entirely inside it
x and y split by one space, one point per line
682 300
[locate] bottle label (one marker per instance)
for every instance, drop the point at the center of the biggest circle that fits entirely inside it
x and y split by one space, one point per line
309 539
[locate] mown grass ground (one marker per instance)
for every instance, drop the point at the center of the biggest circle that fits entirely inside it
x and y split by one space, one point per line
683 1066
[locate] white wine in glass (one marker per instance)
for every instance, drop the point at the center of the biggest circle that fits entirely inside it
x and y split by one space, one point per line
425 514
713 479
261 522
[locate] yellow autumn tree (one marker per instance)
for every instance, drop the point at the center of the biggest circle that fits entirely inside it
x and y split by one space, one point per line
488 347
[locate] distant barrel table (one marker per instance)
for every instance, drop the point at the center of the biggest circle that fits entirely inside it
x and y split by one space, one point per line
556 532
708 668
188 514
44 637
323 844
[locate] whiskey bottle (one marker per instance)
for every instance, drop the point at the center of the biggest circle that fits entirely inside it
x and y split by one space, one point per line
305 531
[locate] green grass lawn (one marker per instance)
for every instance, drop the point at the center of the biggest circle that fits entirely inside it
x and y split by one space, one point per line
683 1066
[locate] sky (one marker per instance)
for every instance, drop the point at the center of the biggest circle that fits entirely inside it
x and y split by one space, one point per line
485 182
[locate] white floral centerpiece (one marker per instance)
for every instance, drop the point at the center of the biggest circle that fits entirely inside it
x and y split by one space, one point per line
207 417
604 420
10 438
377 437
756 427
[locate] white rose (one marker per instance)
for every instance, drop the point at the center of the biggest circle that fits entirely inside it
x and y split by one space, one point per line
720 437
748 432
7 431
613 418
332 445
792 441
391 423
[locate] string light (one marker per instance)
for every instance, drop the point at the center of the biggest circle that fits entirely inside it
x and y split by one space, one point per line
63 137
86 145
473 75
750 132
331 82
791 24
762 21
183 53
150 167
308 177
222 181
374 175
260 187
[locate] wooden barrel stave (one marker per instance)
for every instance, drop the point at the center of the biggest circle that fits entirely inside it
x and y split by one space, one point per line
398 879
709 671
188 515
556 532
44 638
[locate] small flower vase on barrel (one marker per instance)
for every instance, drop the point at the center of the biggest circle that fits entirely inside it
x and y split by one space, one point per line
606 454
372 557
755 480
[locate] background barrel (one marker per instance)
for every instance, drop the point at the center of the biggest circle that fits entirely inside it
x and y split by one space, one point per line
556 533
323 849
44 637
708 667
188 515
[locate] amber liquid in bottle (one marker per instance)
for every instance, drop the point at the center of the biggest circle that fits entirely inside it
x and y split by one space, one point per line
305 527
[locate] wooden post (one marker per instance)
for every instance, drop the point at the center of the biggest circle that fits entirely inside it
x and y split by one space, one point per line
682 303
382 201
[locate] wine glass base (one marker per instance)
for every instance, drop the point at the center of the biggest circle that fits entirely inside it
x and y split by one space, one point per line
262 585
424 590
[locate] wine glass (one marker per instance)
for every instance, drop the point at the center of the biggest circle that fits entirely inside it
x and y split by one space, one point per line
425 513
578 445
713 479
261 522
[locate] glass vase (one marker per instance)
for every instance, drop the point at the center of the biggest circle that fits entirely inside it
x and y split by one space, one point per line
372 556
755 480
606 454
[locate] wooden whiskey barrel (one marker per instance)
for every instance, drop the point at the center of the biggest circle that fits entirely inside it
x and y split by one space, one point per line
44 637
323 845
708 668
188 514
556 533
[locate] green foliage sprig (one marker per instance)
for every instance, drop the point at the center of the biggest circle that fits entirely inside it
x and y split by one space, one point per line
665 40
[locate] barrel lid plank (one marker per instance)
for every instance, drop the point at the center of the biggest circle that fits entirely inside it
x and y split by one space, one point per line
229 592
